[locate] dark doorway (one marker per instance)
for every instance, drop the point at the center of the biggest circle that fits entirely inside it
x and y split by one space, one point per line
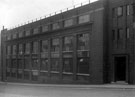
120 68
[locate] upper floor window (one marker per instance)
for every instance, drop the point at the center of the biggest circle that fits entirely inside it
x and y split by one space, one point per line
114 12
55 45
127 33
128 9
27 33
120 34
8 36
44 46
120 11
27 48
68 22
20 49
84 18
20 34
45 28
83 42
14 35
36 30
14 49
55 26
35 47
8 50
68 43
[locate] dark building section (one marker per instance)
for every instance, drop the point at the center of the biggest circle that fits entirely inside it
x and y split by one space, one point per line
91 44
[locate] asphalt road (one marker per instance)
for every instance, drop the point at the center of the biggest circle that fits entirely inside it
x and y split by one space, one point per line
43 91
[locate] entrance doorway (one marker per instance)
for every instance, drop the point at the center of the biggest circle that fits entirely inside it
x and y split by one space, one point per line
120 68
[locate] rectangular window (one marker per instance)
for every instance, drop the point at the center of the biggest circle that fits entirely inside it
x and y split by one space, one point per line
35 47
27 33
20 64
45 28
20 49
26 75
8 50
14 52
19 74
113 34
26 63
44 65
35 64
14 35
68 65
68 22
127 33
21 34
27 48
120 11
84 18
55 26
83 53
8 63
68 43
8 36
14 63
34 75
120 34
55 48
114 12
36 31
83 42
128 9
44 46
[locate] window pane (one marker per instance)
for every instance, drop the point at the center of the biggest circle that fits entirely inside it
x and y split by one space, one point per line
83 65
44 64
84 18
26 75
44 46
20 49
55 26
55 45
68 23
120 34
20 63
8 50
119 11
27 33
45 28
35 64
68 43
14 49
26 63
35 47
68 65
14 35
21 34
27 48
19 74
83 42
34 75
54 64
8 36
128 9
127 33
36 30
14 63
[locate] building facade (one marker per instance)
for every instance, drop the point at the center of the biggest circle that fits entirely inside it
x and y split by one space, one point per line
90 44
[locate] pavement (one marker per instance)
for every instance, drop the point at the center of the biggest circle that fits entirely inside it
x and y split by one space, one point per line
104 86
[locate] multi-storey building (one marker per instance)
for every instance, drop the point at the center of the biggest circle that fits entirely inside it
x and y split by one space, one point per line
90 44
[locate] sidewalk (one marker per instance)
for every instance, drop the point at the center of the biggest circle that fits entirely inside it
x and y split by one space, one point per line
104 86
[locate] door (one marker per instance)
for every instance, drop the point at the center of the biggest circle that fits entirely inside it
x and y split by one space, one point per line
120 68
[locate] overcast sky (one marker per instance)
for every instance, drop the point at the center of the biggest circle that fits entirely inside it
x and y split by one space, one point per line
14 12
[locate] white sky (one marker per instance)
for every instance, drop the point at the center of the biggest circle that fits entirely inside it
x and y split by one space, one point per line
14 12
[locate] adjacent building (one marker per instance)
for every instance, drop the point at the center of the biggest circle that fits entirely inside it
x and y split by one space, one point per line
90 44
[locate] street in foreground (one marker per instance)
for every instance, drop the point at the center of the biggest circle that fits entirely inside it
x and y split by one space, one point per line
12 90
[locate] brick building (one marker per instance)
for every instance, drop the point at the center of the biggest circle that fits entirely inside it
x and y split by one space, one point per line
90 44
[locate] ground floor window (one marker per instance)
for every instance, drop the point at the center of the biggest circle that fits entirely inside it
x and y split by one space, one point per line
20 64
26 63
83 65
55 64
13 73
35 64
7 72
26 75
14 63
34 75
44 65
19 74
67 65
